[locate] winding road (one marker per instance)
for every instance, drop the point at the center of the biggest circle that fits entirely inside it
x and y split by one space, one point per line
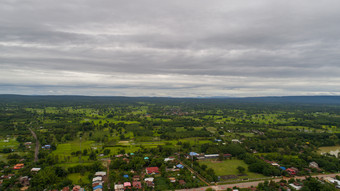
37 145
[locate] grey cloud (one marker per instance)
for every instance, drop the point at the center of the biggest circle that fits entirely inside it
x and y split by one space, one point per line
246 42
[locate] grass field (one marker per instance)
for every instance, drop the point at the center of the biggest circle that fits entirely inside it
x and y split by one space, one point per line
3 157
68 148
67 165
229 167
12 143
107 120
77 178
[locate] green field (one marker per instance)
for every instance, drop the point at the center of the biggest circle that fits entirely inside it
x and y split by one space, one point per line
229 167
3 157
106 120
12 143
67 165
77 178
68 148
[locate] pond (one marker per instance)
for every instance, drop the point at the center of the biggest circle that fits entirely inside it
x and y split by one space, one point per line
334 150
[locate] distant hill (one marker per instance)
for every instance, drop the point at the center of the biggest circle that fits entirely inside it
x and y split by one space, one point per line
49 99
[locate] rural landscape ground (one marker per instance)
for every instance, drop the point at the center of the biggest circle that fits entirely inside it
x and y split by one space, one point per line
119 143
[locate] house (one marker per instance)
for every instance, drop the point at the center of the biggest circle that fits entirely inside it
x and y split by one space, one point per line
292 171
179 166
313 165
35 170
24 188
182 182
119 187
127 185
96 184
24 180
101 173
169 159
137 184
227 155
193 154
210 156
332 180
97 179
18 166
150 179
135 178
27 143
172 179
98 188
46 147
295 186
66 188
150 184
78 188
152 170
235 141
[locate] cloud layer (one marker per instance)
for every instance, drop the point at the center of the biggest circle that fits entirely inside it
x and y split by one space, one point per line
175 48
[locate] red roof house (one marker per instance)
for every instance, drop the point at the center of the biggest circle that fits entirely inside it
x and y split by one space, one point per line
137 184
152 170
291 171
18 166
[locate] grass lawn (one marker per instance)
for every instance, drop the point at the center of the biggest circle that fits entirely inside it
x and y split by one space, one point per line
3 157
12 143
67 148
229 167
67 165
75 177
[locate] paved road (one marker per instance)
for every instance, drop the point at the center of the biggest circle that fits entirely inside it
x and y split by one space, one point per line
249 184
37 145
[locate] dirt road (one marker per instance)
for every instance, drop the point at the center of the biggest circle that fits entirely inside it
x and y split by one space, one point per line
249 184
37 145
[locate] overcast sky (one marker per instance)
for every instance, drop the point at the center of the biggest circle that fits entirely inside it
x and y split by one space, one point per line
178 48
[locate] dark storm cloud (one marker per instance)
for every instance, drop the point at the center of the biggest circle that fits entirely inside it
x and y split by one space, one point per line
170 48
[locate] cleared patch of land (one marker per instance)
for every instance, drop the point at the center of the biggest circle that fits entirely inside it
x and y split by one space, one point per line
229 167
333 150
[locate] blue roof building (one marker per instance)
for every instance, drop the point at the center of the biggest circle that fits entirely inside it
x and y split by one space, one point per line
193 154
179 166
96 187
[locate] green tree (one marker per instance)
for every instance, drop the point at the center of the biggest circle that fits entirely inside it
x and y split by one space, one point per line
241 169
